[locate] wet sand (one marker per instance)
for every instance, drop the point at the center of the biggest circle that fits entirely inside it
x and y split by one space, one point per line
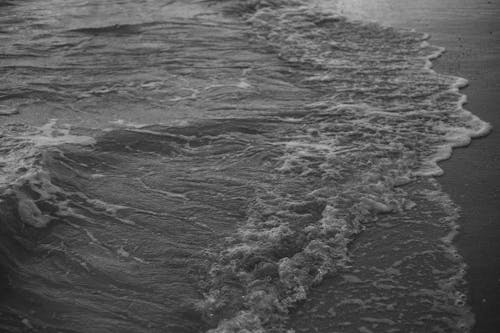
472 175
470 31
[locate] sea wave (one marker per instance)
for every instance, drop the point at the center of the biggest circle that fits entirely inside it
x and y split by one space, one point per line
342 127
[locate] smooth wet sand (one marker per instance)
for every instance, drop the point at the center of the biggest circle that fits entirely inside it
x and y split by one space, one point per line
470 31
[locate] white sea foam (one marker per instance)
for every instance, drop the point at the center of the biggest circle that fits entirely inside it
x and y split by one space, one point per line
52 135
390 118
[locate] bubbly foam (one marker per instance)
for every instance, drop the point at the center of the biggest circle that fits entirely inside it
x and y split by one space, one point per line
388 121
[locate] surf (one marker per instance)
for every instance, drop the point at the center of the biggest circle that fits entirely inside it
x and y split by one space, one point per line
219 193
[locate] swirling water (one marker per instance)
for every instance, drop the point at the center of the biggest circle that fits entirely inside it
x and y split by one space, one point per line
191 166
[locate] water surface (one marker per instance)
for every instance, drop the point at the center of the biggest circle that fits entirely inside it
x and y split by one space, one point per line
203 166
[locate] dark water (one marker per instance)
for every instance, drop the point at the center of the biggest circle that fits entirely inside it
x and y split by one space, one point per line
203 166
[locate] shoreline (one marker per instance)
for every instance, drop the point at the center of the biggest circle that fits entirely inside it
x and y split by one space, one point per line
471 175
470 32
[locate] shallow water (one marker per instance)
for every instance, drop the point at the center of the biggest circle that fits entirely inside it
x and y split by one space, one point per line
184 167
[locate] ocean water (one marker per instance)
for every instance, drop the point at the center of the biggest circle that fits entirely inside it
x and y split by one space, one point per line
224 166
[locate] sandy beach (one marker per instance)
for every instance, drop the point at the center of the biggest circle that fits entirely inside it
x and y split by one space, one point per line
470 32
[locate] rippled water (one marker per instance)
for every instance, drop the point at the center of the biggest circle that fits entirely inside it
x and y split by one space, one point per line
203 166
